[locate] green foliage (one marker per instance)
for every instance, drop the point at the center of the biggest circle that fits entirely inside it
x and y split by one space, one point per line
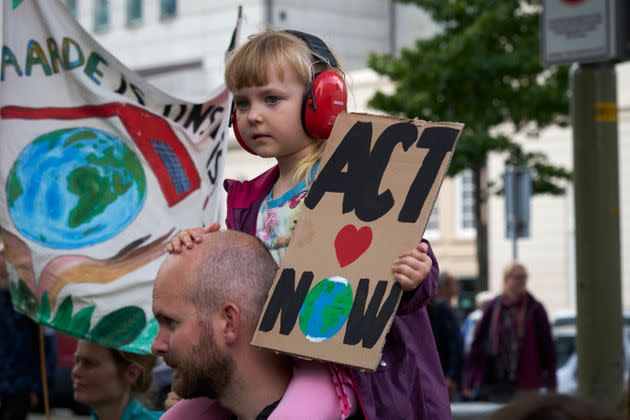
142 343
119 327
23 298
77 324
80 323
63 317
44 308
482 69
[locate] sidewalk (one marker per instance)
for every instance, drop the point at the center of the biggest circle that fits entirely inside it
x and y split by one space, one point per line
58 414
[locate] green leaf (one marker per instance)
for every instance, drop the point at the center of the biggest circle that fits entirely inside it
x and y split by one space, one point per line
24 299
80 323
63 317
119 327
44 308
142 343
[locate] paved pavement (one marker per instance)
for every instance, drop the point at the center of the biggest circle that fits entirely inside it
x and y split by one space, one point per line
58 415
461 411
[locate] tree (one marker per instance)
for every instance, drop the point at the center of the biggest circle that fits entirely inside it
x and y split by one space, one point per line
483 69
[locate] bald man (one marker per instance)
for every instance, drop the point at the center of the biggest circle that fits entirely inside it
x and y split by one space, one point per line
207 302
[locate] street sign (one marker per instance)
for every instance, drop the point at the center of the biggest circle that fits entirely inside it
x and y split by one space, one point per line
585 31
625 19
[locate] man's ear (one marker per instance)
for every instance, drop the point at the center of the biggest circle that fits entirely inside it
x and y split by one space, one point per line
231 323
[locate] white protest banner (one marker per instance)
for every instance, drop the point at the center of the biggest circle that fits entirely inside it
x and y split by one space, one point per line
98 170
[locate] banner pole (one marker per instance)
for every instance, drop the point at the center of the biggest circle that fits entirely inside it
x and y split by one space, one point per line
42 364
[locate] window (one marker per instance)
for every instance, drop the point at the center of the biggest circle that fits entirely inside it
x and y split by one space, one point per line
173 166
433 225
101 15
72 7
134 11
168 9
466 203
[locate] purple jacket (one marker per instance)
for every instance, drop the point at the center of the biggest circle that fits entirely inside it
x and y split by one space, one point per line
537 363
409 383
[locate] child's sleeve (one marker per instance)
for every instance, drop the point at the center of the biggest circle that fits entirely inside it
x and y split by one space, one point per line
312 393
413 300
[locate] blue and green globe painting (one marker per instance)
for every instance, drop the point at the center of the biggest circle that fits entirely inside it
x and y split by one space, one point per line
75 187
326 309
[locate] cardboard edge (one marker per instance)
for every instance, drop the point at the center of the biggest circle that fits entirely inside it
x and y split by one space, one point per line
417 121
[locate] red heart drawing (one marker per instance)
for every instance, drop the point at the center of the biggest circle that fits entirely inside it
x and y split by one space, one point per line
351 243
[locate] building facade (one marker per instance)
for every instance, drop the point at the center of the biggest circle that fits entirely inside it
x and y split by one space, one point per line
179 47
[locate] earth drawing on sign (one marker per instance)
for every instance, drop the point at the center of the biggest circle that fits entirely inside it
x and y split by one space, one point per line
75 187
326 309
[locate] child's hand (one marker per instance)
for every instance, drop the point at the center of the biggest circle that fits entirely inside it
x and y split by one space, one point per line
188 237
412 267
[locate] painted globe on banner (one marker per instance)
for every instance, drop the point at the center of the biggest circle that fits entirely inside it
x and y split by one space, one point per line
326 309
75 187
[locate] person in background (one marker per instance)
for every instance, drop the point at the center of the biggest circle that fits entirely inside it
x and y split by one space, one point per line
20 374
445 329
469 325
110 382
449 291
512 353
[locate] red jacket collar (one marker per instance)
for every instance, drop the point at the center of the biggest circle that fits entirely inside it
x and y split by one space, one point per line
241 194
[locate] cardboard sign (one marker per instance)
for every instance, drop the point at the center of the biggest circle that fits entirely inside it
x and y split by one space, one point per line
334 296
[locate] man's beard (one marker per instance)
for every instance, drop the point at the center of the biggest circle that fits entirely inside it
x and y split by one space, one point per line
207 375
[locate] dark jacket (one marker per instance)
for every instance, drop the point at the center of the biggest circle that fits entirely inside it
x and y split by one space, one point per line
447 338
537 360
409 383
19 351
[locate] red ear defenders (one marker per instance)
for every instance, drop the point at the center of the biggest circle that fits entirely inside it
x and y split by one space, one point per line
324 99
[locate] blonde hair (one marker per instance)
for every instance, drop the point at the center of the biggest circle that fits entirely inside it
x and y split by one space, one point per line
271 52
146 363
507 271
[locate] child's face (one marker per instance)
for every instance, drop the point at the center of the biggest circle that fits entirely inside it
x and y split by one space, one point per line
269 116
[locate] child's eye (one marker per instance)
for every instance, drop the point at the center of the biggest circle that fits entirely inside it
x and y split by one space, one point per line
272 99
242 104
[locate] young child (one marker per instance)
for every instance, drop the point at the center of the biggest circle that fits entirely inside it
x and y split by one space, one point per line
275 77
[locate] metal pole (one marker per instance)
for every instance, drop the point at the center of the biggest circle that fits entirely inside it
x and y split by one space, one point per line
515 211
514 249
597 242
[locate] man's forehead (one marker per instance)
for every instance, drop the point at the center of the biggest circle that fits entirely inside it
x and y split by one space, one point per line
172 292
176 275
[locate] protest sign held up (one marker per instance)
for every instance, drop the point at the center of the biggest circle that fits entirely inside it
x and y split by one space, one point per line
334 296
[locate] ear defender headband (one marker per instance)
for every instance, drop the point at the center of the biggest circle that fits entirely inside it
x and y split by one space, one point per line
324 99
